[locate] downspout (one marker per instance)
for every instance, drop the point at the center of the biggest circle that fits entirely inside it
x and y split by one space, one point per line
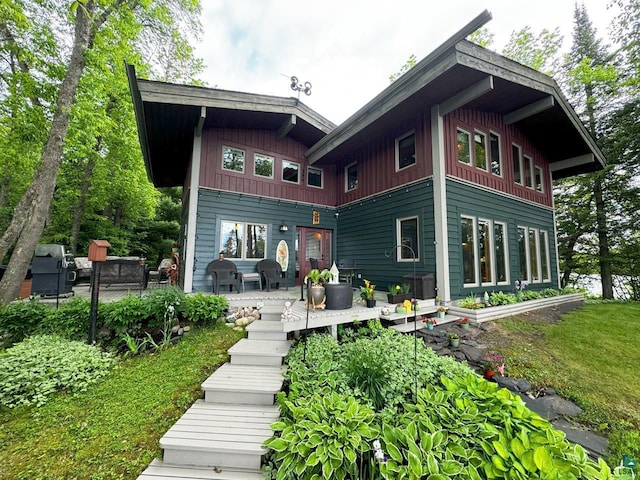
440 204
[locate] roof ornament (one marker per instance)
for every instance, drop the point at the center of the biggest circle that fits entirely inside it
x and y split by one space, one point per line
298 86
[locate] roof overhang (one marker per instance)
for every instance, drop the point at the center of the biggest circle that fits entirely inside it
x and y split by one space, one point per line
462 74
169 115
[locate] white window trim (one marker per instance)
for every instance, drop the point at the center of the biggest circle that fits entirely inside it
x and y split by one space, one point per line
346 178
284 160
475 252
492 265
321 177
505 246
491 132
244 230
547 259
397 152
244 163
273 165
538 168
531 172
471 147
486 151
416 248
521 166
526 253
536 235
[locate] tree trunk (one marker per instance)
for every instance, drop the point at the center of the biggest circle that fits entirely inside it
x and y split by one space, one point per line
26 230
604 254
79 210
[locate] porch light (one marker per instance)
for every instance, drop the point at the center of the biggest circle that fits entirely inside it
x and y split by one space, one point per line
284 228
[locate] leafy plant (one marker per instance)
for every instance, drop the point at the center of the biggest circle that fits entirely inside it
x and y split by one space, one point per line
126 315
470 302
19 320
202 308
365 373
134 345
70 320
367 290
326 436
399 288
318 277
502 298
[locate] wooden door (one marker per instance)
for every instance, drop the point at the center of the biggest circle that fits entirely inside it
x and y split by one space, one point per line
312 243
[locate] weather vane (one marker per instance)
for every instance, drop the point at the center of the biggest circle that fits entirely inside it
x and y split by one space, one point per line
299 87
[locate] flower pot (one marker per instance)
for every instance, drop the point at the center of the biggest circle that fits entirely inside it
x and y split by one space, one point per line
398 298
317 294
488 374
455 342
430 326
401 309
464 326
371 302
441 314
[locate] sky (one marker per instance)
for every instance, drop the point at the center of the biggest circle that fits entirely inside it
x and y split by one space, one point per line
347 49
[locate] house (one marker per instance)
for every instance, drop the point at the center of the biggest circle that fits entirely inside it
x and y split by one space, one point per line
455 159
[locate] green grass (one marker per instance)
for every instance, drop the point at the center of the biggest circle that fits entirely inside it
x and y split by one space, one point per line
591 356
112 430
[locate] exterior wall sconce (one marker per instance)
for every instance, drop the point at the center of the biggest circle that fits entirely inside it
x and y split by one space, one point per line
284 228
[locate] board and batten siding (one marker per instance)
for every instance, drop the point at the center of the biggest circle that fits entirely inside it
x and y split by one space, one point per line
367 232
486 122
215 206
473 201
376 161
264 142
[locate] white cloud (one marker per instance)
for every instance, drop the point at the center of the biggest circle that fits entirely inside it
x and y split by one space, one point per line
348 48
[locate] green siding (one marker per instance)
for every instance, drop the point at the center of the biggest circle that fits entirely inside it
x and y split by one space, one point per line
215 206
465 199
367 230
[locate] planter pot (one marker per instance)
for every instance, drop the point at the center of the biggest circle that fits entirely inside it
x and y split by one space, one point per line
317 295
371 302
464 326
339 296
399 298
441 314
455 342
488 374
401 310
430 326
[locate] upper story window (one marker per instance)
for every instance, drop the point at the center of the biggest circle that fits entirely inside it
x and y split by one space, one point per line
314 177
528 172
233 159
263 165
407 236
516 153
539 185
405 151
464 146
480 143
351 177
496 161
290 171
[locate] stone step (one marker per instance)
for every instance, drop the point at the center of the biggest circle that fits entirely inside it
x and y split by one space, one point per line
243 384
211 434
266 330
259 352
158 470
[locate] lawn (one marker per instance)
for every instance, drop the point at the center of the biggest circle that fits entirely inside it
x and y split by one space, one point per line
592 356
112 430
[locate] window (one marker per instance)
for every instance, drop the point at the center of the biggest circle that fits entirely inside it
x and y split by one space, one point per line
407 236
233 159
486 256
496 163
263 165
464 147
480 140
523 253
405 151
501 249
533 254
538 179
516 153
314 177
290 171
544 252
528 172
244 241
469 253
351 177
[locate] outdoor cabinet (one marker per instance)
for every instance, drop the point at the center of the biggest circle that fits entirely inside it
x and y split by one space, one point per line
424 284
98 250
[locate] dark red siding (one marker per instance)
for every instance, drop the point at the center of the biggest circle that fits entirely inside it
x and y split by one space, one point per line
470 120
265 142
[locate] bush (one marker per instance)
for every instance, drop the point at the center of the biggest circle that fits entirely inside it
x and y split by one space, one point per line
501 298
470 302
19 320
36 368
202 308
126 316
70 320
158 302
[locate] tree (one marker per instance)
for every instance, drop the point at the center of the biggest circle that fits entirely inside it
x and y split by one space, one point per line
86 25
539 52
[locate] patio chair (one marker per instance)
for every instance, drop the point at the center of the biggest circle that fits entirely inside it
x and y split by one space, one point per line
224 272
272 273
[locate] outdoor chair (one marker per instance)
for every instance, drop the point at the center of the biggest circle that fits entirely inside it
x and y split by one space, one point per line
224 272
272 273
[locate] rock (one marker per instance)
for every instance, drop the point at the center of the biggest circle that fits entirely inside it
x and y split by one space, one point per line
472 353
459 355
560 405
513 384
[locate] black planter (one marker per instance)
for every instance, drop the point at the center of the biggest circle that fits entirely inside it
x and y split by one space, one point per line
398 298
371 302
339 296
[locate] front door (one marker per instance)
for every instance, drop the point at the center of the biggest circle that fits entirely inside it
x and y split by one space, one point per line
312 243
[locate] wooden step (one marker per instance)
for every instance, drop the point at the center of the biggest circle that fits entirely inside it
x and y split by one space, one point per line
259 352
211 434
273 313
158 470
243 384
266 330
409 326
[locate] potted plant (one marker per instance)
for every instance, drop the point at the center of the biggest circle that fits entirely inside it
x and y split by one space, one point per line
454 340
398 292
430 322
318 279
464 323
441 311
366 293
493 363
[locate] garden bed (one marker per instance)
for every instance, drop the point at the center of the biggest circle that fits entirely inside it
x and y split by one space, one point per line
491 313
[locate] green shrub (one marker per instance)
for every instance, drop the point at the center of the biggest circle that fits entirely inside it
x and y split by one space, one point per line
126 316
364 372
36 368
70 320
327 436
159 301
202 308
530 295
470 302
20 319
501 298
549 292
